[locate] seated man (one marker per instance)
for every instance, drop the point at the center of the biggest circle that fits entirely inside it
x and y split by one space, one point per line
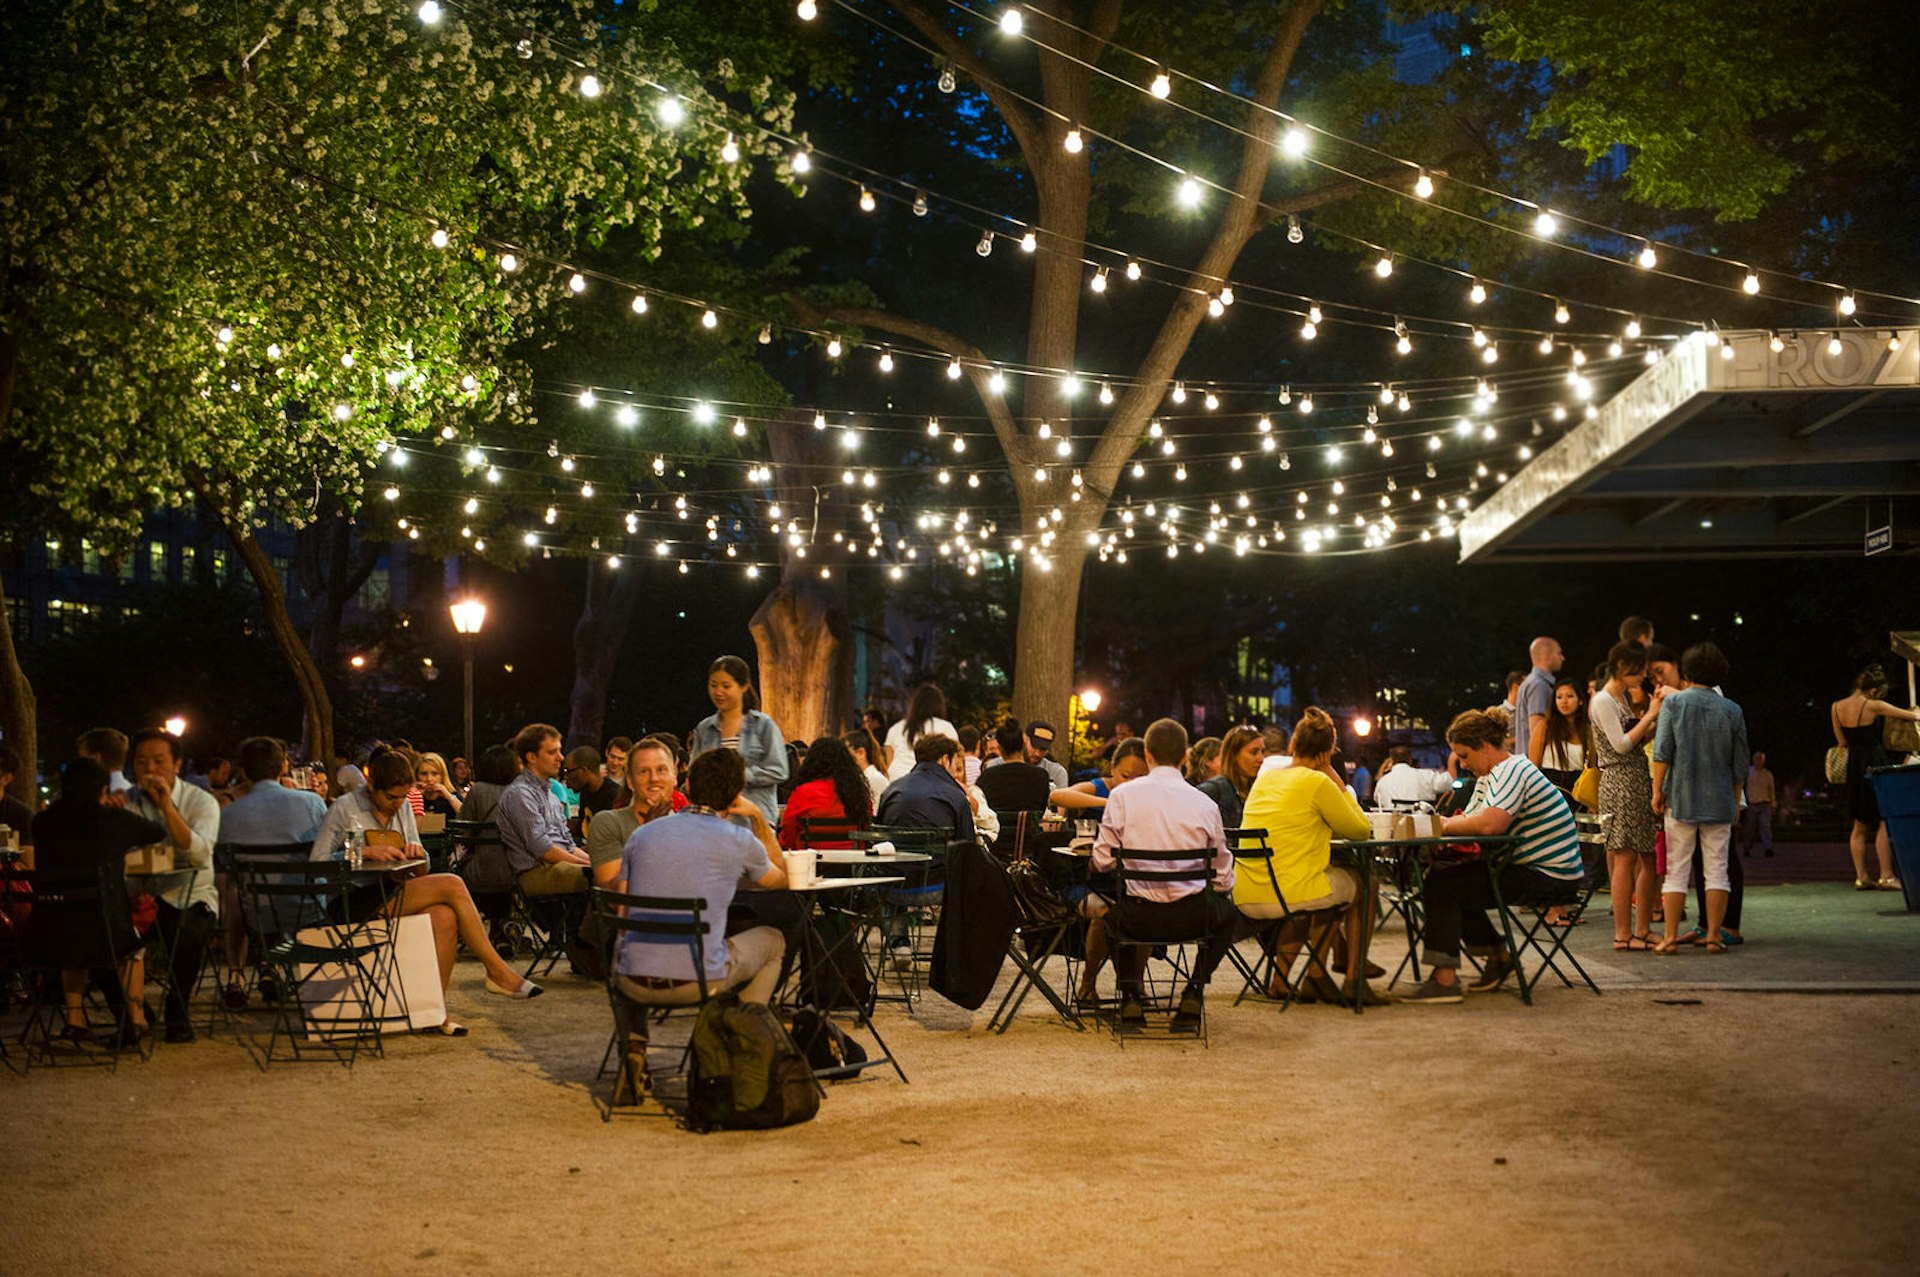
189 903
933 794
265 814
533 828
700 854
1403 784
1512 796
587 776
1162 812
1039 752
650 774
1013 784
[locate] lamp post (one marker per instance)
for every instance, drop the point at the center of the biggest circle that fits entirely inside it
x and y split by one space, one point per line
469 614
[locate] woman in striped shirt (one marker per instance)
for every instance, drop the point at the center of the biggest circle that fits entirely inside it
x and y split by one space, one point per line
1513 797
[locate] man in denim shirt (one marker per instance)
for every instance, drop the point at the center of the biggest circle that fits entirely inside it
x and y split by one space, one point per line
533 827
1699 767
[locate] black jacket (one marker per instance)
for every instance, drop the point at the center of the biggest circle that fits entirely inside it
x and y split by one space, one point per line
977 920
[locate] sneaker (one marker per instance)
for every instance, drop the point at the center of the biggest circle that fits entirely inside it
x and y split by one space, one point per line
1187 1015
1493 975
1432 993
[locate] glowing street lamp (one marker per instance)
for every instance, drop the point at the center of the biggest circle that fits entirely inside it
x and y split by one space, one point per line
1363 727
469 614
1090 699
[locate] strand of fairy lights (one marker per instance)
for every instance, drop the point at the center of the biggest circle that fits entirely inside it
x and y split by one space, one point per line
1646 259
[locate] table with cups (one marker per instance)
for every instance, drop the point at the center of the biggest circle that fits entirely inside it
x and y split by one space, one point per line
854 895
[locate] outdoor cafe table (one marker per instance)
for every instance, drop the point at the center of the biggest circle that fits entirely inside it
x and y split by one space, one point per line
1409 858
820 957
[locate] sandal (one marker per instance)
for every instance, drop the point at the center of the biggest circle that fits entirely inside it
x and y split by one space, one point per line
1861 884
1641 944
1696 936
1622 944
448 1029
1714 946
1665 948
1887 884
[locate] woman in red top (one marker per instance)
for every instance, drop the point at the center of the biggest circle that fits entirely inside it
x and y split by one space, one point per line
829 786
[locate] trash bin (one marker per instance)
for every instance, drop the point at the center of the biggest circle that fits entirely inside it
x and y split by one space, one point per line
1897 789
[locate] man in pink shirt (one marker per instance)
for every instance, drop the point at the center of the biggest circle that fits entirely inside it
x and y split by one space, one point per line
1162 812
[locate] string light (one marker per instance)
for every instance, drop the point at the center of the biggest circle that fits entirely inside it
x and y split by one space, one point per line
1099 281
1162 84
1293 143
709 320
1422 186
578 283
1847 304
1560 312
1133 269
671 112
867 202
1189 193
1072 141
1648 258
1011 22
886 360
429 13
1294 231
985 246
1545 224
589 86
1751 284
730 151
1478 293
802 162
1384 267
1029 242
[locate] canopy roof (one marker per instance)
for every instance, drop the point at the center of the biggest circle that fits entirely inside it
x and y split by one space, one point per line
1728 450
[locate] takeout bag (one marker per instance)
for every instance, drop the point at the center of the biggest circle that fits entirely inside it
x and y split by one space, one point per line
1415 824
154 859
333 1000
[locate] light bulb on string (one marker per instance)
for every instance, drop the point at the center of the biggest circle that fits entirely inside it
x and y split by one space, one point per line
985 246
834 348
886 360
807 10
1294 142
709 320
1188 193
1072 142
1648 259
1847 304
1162 84
1106 393
577 283
802 162
1384 267
1633 328
1833 344
919 203
730 150
589 86
1099 281
1133 269
1477 293
1011 21
1423 186
1751 284
1545 223
509 263
867 202
671 112
953 370
429 13
1546 344
997 381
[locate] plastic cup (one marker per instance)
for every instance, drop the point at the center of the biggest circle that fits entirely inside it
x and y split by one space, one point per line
800 868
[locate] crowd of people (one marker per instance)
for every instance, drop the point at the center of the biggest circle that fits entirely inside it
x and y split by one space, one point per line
1650 746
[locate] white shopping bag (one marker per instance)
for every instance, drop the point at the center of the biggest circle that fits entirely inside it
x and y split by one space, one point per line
334 1000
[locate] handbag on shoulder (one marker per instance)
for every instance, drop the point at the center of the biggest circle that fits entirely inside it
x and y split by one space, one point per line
1837 765
1900 735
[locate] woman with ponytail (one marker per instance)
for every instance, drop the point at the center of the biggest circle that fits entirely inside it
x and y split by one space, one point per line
738 724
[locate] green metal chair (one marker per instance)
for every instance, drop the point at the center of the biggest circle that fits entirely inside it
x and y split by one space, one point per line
82 898
1250 849
671 922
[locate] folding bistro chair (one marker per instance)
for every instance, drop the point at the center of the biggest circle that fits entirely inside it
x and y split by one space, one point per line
227 860
1524 920
353 946
81 898
916 900
1249 847
477 854
1037 937
656 920
828 831
1143 865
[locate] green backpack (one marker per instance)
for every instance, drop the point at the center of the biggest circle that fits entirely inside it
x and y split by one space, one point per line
746 1072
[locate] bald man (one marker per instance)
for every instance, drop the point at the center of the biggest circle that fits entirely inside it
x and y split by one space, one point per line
1535 700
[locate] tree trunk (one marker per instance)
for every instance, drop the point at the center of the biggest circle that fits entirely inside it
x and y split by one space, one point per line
316 705
598 637
19 720
806 659
801 632
1044 639
331 573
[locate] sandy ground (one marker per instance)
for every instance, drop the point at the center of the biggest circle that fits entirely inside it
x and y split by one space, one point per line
1749 1132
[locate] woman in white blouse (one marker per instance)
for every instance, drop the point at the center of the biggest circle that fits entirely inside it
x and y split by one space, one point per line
1626 795
924 717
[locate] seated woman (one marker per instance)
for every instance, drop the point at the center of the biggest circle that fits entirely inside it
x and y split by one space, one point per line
75 835
381 809
436 791
1092 897
866 753
1512 798
829 786
1303 807
1241 754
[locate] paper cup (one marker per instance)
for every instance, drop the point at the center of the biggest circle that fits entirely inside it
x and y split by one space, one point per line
1382 822
800 867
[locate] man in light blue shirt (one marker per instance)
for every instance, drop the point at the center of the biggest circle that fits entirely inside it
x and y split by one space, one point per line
1699 768
266 814
702 853
1535 699
533 826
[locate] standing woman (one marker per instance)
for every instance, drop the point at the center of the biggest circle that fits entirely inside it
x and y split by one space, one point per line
1241 754
1626 794
1856 727
737 724
924 717
1567 730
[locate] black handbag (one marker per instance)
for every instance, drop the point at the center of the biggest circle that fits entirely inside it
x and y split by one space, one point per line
1039 905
